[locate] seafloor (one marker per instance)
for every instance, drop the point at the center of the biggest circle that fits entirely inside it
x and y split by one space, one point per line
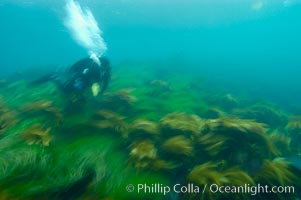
150 127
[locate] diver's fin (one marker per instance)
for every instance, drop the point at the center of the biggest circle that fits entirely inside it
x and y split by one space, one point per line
46 78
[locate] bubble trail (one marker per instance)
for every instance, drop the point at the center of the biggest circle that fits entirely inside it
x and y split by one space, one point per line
84 29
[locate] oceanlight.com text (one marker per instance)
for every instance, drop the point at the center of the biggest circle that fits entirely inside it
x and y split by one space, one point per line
251 189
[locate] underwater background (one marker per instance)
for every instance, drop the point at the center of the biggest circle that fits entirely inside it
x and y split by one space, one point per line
202 91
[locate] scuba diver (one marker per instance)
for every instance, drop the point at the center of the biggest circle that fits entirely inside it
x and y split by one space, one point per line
92 72
87 73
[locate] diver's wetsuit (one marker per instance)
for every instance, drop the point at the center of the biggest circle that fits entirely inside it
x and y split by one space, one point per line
84 73
81 75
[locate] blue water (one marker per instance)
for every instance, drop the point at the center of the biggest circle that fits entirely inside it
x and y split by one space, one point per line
252 46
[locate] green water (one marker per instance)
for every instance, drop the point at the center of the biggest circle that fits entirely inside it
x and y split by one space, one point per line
201 93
